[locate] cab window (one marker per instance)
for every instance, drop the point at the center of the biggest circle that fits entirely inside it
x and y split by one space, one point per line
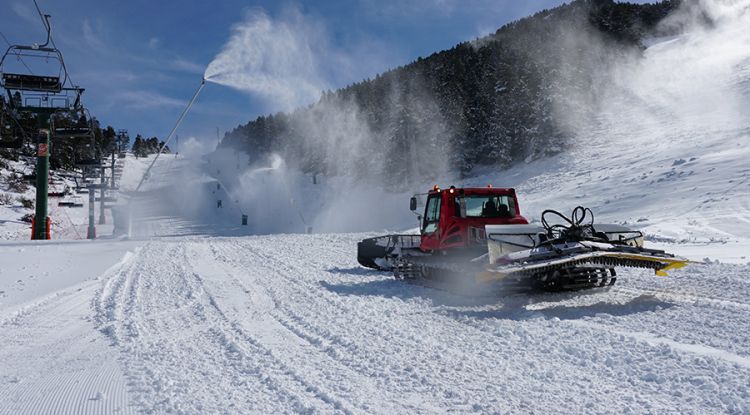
432 214
490 206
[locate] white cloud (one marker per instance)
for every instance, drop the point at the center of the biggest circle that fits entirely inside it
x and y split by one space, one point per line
25 12
92 35
154 43
146 100
185 65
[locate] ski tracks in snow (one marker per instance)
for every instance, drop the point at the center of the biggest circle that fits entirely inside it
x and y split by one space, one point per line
288 324
186 350
178 350
489 358
505 356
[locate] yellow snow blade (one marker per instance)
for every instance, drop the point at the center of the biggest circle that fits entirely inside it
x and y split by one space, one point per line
672 263
675 265
660 264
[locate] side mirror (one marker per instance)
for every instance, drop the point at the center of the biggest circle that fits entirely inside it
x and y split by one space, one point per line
413 203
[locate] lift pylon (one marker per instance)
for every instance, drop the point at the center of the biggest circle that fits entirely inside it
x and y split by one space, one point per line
38 95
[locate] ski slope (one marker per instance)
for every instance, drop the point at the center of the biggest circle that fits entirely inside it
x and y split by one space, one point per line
187 322
275 324
188 311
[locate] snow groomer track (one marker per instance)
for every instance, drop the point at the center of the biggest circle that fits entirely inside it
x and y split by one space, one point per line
274 324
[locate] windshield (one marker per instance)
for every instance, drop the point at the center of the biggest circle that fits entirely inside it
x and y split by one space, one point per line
432 214
491 206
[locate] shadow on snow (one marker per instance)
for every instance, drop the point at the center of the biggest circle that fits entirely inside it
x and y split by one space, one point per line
504 306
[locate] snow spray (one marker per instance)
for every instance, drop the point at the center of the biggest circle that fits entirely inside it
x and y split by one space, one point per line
288 60
276 59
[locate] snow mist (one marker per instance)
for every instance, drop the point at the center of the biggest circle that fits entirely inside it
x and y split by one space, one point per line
685 84
660 136
288 61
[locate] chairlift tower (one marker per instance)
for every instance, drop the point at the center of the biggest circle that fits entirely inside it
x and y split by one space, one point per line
42 96
122 137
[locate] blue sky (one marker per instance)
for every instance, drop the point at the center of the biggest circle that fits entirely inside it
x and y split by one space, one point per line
141 60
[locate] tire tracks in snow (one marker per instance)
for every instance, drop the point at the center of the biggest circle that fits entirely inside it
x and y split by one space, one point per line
38 305
412 370
147 309
326 373
657 341
250 325
679 321
689 298
242 341
640 349
334 346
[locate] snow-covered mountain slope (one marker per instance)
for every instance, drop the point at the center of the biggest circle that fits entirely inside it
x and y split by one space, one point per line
13 192
18 197
659 144
187 323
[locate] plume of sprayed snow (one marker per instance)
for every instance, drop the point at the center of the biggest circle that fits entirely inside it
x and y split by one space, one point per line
351 195
267 191
276 59
194 148
279 198
289 60
684 97
682 86
694 82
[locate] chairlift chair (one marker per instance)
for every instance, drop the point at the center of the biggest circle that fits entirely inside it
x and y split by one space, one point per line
31 93
88 163
31 82
75 126
29 90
